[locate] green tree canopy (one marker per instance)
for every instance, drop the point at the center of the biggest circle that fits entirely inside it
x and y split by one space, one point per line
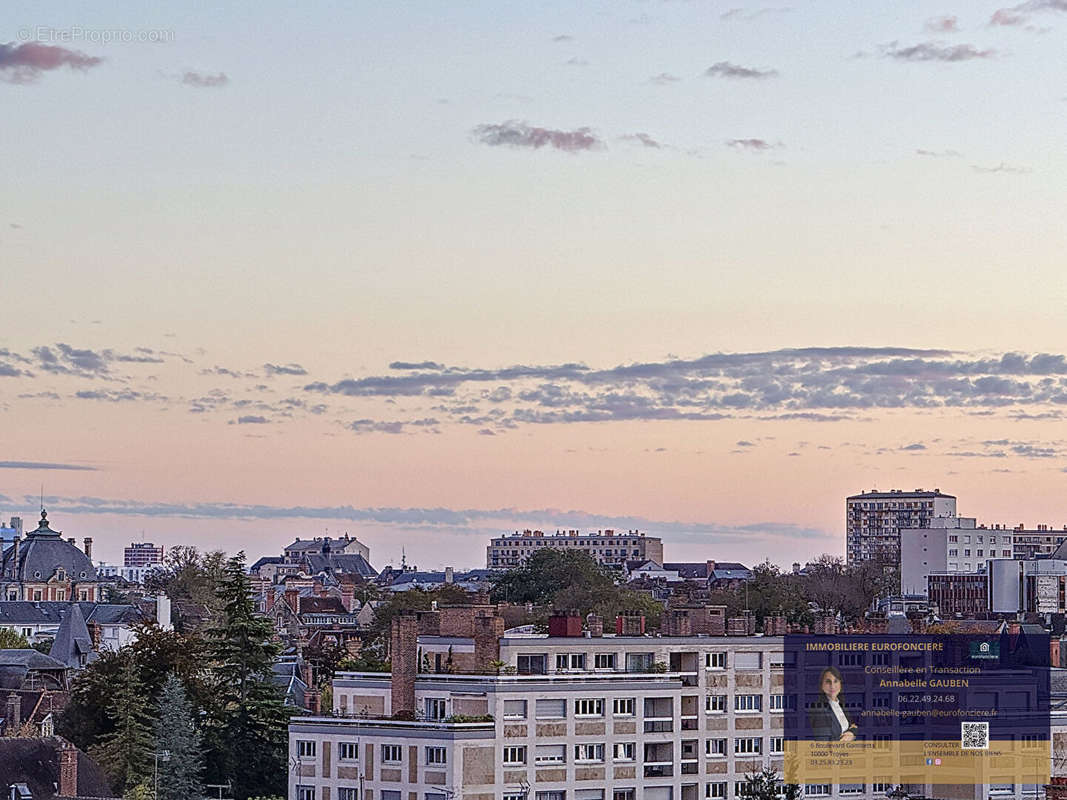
177 735
125 753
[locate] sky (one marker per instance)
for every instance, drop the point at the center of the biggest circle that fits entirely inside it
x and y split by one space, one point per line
426 273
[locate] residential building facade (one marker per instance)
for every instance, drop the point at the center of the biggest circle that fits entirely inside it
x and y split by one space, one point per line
43 567
610 547
874 520
142 554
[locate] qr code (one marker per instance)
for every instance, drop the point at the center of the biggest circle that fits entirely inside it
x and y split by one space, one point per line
974 735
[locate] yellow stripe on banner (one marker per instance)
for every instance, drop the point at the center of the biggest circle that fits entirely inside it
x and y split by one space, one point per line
897 762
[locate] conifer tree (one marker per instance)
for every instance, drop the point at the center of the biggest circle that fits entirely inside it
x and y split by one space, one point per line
125 753
248 730
177 735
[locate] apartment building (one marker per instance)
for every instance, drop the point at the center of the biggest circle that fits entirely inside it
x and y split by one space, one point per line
585 717
609 546
874 520
142 554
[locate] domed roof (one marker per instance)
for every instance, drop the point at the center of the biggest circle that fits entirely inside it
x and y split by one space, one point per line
43 552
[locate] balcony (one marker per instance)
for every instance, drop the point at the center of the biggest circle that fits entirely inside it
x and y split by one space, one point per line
661 770
659 725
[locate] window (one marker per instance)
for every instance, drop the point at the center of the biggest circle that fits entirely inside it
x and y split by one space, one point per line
436 755
555 795
880 787
747 745
748 660
589 753
347 793
551 709
622 706
715 661
1006 553
587 707
306 748
550 754
817 789
604 661
348 751
622 794
953 552
531 664
514 755
777 744
390 794
435 708
715 704
624 751
305 793
850 659
570 661
639 662
777 702
715 790
715 748
852 788
748 702
588 794
514 709
433 796
954 538
392 754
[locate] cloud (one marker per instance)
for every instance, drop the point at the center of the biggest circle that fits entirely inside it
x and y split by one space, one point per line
938 153
745 443
515 134
563 37
751 145
914 446
284 369
575 61
747 15
384 426
943 24
664 79
642 139
252 419
1017 16
463 519
935 51
204 80
34 465
726 69
24 63
63 359
409 365
1002 167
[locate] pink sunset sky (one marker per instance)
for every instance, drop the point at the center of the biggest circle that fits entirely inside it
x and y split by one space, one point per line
427 275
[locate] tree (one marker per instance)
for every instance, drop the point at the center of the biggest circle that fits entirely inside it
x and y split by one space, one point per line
248 724
177 735
188 574
766 785
12 640
125 753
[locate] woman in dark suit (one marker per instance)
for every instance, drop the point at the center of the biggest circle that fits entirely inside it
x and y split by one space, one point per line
827 717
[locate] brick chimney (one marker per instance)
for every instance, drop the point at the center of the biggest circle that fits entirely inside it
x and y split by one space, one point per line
404 655
87 546
68 770
630 625
678 623
567 624
348 596
487 633
14 713
292 597
96 634
737 626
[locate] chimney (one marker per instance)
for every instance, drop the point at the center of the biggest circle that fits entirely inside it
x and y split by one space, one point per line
163 616
292 597
404 655
679 623
348 596
567 624
630 625
595 624
96 634
88 547
448 575
70 540
737 626
487 633
14 714
15 560
711 568
68 770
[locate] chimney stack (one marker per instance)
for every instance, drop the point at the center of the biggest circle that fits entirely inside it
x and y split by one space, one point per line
449 575
88 546
487 633
404 655
68 770
595 624
292 597
14 714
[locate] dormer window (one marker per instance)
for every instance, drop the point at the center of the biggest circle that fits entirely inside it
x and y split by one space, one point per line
61 574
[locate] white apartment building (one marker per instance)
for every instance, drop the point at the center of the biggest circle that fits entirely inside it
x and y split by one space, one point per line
874 520
609 546
583 718
958 545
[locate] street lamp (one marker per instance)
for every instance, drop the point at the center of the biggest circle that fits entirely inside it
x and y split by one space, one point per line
164 756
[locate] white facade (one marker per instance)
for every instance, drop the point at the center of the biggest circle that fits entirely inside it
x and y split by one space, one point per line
606 546
874 520
131 574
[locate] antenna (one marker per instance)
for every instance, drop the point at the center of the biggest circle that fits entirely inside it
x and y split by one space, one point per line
42 497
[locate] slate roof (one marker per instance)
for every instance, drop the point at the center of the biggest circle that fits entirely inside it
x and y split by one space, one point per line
13 612
73 645
30 659
266 560
41 552
340 564
35 762
321 605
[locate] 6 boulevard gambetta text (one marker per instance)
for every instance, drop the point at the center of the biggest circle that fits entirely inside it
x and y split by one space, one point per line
917 709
